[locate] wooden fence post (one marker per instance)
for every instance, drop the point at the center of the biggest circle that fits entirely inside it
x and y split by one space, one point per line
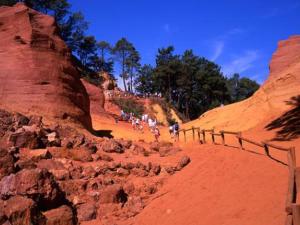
198 133
291 186
289 220
240 140
293 156
203 134
296 214
193 133
266 147
223 137
184 135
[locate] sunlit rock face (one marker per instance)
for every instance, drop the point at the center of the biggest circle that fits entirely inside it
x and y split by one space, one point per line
36 72
270 101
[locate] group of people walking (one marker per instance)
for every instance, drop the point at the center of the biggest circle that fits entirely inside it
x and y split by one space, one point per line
138 123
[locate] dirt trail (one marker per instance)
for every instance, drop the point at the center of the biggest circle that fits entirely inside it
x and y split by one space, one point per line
222 185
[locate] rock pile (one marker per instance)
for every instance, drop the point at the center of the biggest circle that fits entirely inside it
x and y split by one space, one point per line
61 176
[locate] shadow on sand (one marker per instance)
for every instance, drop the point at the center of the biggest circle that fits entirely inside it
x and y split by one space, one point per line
102 133
288 123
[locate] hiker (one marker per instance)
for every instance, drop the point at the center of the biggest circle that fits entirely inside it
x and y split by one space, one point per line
156 134
171 131
137 122
176 131
133 124
150 123
122 114
139 125
143 117
146 118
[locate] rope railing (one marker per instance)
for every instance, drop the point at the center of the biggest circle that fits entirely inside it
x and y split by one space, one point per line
292 206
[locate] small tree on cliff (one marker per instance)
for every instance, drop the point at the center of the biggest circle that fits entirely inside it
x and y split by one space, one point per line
105 63
87 49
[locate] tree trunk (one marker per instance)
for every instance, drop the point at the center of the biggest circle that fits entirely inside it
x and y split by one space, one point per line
169 81
187 109
123 71
131 74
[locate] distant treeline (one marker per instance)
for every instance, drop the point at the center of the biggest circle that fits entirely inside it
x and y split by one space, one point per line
192 84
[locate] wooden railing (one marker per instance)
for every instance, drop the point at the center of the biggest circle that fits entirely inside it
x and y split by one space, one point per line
292 207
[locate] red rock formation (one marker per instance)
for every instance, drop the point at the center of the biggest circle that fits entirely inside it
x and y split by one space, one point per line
36 73
96 96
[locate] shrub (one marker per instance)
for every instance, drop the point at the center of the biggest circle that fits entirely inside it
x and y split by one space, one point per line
129 105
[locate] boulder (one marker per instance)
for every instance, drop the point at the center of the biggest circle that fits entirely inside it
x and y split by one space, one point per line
7 161
184 161
25 139
139 172
36 184
170 169
125 143
53 139
112 194
89 172
134 206
73 188
81 154
29 158
156 145
23 211
122 172
112 146
155 169
62 215
86 212
50 164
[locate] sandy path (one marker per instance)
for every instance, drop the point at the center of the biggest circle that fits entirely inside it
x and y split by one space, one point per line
222 186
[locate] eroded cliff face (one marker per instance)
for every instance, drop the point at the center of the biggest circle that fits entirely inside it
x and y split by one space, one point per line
36 73
270 101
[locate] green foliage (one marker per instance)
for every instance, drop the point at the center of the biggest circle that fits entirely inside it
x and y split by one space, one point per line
128 57
72 30
144 80
87 49
8 2
241 88
129 105
190 83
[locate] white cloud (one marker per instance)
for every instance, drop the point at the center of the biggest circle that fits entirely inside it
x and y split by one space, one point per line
167 28
241 63
219 42
218 50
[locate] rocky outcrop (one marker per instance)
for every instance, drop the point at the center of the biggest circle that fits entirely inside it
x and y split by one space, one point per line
81 180
96 96
36 73
108 83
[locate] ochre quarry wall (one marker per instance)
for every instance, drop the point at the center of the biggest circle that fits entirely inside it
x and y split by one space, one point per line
96 96
269 101
36 72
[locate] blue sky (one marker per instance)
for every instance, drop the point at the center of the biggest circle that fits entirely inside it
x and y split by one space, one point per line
240 36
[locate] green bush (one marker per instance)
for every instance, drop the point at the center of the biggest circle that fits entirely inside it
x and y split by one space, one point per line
129 106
